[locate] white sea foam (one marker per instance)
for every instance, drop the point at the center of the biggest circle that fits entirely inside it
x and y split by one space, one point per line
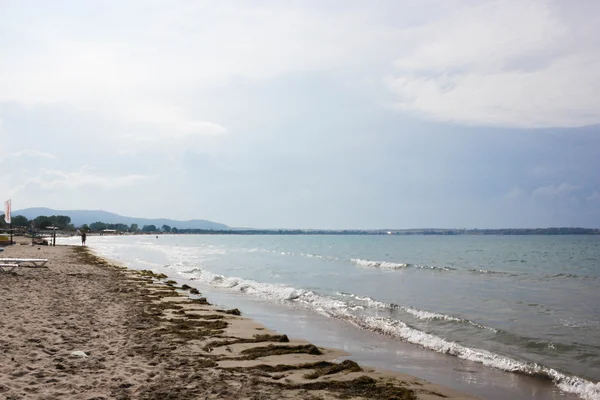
324 258
378 264
436 267
426 315
571 384
392 265
367 300
289 253
343 310
422 315
148 263
491 272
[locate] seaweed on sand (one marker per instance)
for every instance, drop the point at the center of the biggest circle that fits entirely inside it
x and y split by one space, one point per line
84 256
325 366
151 274
190 324
255 339
273 350
190 289
363 386
201 316
193 329
233 311
200 300
333 368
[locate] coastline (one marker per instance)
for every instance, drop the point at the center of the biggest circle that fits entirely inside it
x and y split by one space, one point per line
148 339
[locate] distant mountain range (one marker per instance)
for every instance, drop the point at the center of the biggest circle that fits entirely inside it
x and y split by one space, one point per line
80 217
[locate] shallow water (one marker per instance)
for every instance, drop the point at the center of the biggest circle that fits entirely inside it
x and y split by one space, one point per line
526 304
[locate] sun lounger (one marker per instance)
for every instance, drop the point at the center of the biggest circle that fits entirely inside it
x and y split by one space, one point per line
25 262
6 268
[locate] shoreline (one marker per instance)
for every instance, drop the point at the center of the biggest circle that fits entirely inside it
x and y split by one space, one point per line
146 338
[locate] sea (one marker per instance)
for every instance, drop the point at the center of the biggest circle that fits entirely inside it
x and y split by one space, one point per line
494 316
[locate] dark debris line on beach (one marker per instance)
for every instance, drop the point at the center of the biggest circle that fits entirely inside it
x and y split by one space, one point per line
157 336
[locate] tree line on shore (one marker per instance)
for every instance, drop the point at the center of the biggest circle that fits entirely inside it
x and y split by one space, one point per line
63 223
133 228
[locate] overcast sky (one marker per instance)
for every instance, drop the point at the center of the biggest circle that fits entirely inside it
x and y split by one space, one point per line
307 114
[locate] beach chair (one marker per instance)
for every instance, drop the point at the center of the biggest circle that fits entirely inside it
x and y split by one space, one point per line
6 268
25 262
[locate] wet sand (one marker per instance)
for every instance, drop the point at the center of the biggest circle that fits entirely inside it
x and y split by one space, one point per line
85 328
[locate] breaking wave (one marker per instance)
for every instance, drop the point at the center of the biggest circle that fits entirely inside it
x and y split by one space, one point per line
573 276
392 265
351 311
417 313
289 253
490 272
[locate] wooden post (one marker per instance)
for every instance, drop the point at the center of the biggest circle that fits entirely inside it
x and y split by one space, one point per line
53 237
11 233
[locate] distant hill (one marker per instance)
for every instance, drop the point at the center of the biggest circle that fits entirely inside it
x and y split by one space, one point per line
80 217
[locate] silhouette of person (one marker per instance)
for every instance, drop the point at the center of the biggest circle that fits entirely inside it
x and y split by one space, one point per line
83 237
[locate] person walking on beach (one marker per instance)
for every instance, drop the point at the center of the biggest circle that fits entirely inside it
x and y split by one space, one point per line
83 237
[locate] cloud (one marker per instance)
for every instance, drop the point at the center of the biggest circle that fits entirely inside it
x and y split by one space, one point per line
501 63
554 191
593 197
30 153
486 63
185 46
56 179
170 121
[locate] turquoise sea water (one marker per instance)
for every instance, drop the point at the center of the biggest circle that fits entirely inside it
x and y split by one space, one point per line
524 304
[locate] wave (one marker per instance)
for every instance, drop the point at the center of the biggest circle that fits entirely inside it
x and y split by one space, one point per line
573 276
417 313
320 257
549 276
392 265
396 265
568 383
343 310
357 261
288 253
378 264
491 272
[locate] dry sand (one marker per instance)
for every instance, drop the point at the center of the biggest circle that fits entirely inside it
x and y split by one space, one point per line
145 339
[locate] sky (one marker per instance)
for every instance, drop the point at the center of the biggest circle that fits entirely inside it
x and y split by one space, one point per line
334 114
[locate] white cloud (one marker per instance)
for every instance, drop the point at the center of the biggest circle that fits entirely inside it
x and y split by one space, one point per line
55 179
29 153
553 191
171 121
491 63
179 47
505 63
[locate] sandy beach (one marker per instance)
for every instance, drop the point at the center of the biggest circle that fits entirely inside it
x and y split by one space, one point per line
86 328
